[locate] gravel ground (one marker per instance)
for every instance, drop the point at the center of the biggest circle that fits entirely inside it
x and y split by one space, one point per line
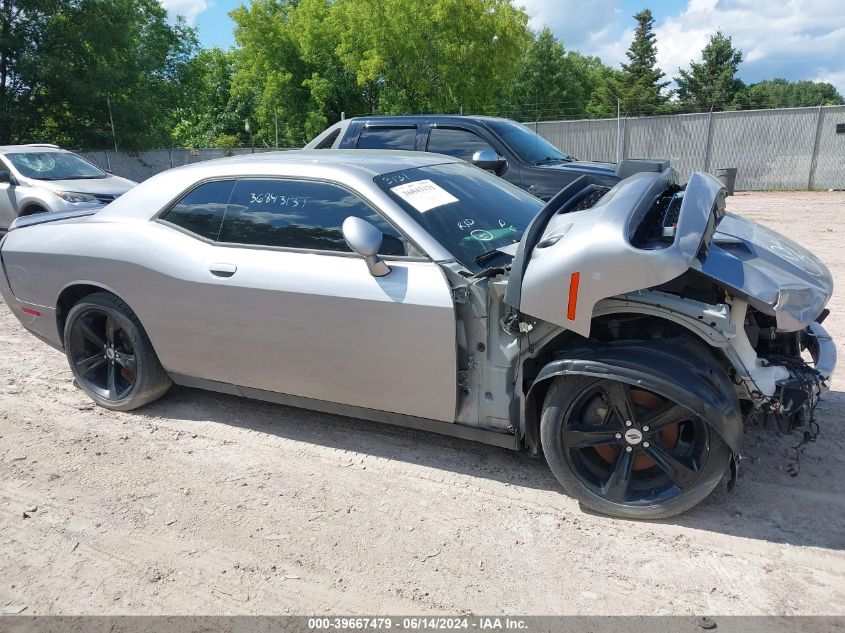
210 504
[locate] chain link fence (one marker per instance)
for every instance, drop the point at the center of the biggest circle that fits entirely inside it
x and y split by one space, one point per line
790 148
139 166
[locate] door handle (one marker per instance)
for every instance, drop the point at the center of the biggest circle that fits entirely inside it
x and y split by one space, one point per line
222 270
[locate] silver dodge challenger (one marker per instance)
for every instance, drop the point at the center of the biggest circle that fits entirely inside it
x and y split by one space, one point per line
624 333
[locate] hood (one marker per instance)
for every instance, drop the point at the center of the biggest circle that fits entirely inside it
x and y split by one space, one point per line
643 234
111 185
587 167
776 275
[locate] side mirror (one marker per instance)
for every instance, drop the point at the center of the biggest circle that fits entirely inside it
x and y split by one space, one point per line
490 160
365 239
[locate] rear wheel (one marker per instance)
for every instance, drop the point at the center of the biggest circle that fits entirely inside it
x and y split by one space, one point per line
111 356
626 451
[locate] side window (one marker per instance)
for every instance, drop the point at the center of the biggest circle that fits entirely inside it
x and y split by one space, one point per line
299 214
327 142
387 138
454 142
202 209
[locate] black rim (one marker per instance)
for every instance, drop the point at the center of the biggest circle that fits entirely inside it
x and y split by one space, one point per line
631 446
102 354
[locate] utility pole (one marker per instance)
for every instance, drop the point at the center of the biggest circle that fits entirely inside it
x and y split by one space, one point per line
276 121
111 121
618 128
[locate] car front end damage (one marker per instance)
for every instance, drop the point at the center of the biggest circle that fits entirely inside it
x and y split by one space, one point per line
649 259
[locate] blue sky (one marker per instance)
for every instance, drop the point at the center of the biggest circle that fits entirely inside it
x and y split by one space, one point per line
795 39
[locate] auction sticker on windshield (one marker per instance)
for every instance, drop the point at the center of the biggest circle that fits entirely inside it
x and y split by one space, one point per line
424 195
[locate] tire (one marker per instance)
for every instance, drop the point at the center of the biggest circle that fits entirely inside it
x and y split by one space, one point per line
670 467
111 356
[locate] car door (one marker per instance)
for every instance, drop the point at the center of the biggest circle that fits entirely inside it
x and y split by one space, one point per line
463 143
284 306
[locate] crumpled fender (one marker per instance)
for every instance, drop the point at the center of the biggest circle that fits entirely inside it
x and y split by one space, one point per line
679 369
568 262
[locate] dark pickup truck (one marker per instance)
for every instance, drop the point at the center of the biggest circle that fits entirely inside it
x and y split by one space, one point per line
511 150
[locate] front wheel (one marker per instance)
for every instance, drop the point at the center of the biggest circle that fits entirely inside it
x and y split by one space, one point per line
111 356
628 452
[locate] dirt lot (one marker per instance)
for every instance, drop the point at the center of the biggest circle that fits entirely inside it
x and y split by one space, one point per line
203 503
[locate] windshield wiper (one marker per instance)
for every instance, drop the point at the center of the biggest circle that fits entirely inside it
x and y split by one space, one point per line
489 256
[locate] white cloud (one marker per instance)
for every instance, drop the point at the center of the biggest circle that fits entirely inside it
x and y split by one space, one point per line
794 39
576 22
189 9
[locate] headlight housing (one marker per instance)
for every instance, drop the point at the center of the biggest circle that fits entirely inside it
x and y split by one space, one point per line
74 197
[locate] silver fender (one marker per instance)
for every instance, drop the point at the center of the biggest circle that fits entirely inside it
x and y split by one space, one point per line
585 256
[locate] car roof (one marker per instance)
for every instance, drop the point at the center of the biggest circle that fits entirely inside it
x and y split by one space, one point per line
411 118
355 168
374 162
30 147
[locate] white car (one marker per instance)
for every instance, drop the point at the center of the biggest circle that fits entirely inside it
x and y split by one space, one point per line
39 178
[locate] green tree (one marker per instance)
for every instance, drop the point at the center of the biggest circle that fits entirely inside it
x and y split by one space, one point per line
780 93
639 87
211 114
449 55
713 82
121 50
287 61
552 82
22 25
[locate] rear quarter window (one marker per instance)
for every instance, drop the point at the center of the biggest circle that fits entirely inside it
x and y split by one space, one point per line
201 210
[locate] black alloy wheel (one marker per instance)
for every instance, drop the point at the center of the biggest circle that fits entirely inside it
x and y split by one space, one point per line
103 354
110 355
626 451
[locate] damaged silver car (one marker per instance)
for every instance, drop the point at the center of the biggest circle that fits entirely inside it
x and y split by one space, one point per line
624 333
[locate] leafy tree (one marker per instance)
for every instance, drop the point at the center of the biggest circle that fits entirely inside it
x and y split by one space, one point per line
639 87
552 82
61 59
287 61
450 55
211 115
22 25
780 93
711 83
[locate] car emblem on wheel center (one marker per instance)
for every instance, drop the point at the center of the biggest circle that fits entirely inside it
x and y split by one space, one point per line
633 436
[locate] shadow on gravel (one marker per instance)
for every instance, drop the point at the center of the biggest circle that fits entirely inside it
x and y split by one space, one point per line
397 443
768 503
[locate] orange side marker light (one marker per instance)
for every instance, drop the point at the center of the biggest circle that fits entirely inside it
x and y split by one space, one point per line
574 280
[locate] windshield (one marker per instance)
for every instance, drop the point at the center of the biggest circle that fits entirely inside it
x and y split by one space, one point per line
527 144
54 166
470 212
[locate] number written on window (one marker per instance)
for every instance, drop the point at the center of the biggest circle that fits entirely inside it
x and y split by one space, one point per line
299 214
